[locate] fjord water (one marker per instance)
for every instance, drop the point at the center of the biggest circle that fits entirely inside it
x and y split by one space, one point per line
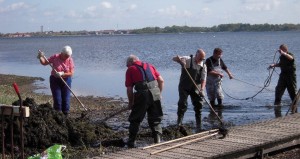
100 66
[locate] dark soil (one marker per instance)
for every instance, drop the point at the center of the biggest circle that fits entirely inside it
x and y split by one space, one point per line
84 133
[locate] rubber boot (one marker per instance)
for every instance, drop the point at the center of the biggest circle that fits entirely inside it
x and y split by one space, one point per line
131 141
156 138
212 103
277 111
180 127
198 123
179 120
277 102
220 102
294 109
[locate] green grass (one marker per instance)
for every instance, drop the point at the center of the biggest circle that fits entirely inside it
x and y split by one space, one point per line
7 95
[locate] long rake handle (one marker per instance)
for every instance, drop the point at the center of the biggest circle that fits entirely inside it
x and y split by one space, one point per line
65 83
3 134
182 138
114 114
178 145
20 119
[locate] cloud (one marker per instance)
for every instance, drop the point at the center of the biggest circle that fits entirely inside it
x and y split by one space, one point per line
106 5
48 13
258 5
132 7
172 11
91 8
73 14
14 6
206 10
91 11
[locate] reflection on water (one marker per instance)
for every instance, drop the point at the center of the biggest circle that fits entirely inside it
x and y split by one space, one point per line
100 67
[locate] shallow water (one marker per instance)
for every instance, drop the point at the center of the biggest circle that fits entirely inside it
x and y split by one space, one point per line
100 66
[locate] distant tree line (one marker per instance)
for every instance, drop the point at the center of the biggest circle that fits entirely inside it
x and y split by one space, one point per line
238 27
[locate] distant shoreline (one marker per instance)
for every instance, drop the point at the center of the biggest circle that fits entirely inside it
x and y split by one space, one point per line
236 27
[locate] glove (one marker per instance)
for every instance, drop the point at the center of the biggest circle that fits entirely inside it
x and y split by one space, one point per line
271 66
59 74
182 62
201 93
40 54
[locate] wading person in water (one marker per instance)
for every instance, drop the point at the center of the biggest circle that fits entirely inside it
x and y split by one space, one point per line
215 66
148 85
287 78
197 69
63 63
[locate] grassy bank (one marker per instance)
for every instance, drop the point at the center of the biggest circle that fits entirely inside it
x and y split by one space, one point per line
26 88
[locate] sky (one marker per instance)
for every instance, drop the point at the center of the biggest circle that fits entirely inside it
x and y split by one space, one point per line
95 15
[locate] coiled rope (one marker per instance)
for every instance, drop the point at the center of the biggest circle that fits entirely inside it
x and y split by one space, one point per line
266 83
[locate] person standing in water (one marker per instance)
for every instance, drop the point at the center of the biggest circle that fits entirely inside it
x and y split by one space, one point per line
215 66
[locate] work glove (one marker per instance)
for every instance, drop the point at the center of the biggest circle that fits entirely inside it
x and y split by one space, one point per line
201 93
40 54
182 62
59 74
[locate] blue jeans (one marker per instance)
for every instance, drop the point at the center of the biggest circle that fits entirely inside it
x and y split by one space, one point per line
60 93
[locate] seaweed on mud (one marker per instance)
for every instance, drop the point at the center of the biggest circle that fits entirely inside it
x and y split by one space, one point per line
45 127
82 135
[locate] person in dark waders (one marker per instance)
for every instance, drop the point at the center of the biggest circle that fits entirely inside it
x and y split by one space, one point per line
148 85
197 69
287 78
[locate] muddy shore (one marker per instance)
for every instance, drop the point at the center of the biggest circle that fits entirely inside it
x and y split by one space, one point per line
97 137
86 133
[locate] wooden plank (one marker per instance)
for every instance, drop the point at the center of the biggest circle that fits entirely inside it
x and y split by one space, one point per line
273 132
248 139
130 155
249 152
190 152
173 153
214 147
8 108
242 142
235 142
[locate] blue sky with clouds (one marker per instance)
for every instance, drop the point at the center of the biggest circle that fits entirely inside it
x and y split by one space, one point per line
90 15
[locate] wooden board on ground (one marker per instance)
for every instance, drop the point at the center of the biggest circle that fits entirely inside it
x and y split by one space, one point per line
7 110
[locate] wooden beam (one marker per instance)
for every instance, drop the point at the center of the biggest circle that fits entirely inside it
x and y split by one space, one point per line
16 110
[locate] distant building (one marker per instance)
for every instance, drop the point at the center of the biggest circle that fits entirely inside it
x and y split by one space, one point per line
18 35
108 32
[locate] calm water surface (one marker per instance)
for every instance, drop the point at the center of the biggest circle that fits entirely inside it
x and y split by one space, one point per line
100 66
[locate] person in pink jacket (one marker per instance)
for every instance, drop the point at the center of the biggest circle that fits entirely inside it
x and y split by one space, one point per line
64 69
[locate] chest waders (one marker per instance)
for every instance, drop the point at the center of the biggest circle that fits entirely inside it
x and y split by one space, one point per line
187 88
213 84
146 100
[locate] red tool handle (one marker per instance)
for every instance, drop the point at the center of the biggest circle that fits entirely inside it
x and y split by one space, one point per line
21 119
16 88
